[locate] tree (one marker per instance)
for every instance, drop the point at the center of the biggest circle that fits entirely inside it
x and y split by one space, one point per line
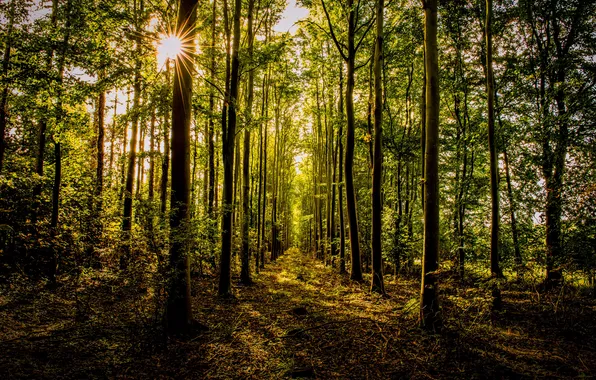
132 154
348 53
5 87
494 162
179 308
245 271
377 253
229 138
430 318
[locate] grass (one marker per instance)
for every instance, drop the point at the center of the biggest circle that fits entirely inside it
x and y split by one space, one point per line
346 332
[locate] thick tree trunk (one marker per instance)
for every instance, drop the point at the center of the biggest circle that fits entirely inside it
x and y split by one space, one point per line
430 318
179 310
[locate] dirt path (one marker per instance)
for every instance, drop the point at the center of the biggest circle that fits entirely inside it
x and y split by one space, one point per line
300 318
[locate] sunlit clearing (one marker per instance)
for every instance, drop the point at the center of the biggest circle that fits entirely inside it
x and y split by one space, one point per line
168 47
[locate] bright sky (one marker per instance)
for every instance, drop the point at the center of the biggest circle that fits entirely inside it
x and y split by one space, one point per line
292 14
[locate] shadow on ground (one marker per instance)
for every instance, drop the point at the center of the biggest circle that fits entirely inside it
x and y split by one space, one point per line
301 318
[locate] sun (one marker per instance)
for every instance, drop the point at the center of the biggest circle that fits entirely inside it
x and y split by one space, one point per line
168 47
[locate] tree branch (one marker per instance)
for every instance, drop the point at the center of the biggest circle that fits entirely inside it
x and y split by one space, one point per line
333 37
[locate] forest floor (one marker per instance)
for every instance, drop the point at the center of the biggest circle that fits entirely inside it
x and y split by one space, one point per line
299 319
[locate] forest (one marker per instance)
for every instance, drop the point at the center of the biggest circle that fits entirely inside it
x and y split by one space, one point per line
268 189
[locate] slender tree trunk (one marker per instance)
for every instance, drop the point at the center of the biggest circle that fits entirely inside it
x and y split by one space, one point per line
430 318
517 257
152 155
356 272
4 95
211 145
59 117
179 310
225 284
423 131
193 176
340 138
43 122
245 270
141 152
377 284
165 164
260 184
492 146
113 139
265 133
101 108
130 174
124 143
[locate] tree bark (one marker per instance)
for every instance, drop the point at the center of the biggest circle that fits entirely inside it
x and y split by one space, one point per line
130 173
43 122
430 318
245 269
4 95
179 310
377 284
492 146
340 138
165 163
225 283
356 270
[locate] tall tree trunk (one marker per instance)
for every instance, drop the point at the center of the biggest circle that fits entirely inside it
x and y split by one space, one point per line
113 138
179 310
492 146
356 272
265 134
423 130
130 173
260 184
43 122
377 284
152 155
225 283
430 318
165 164
141 151
211 145
340 138
124 143
101 107
4 95
245 270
